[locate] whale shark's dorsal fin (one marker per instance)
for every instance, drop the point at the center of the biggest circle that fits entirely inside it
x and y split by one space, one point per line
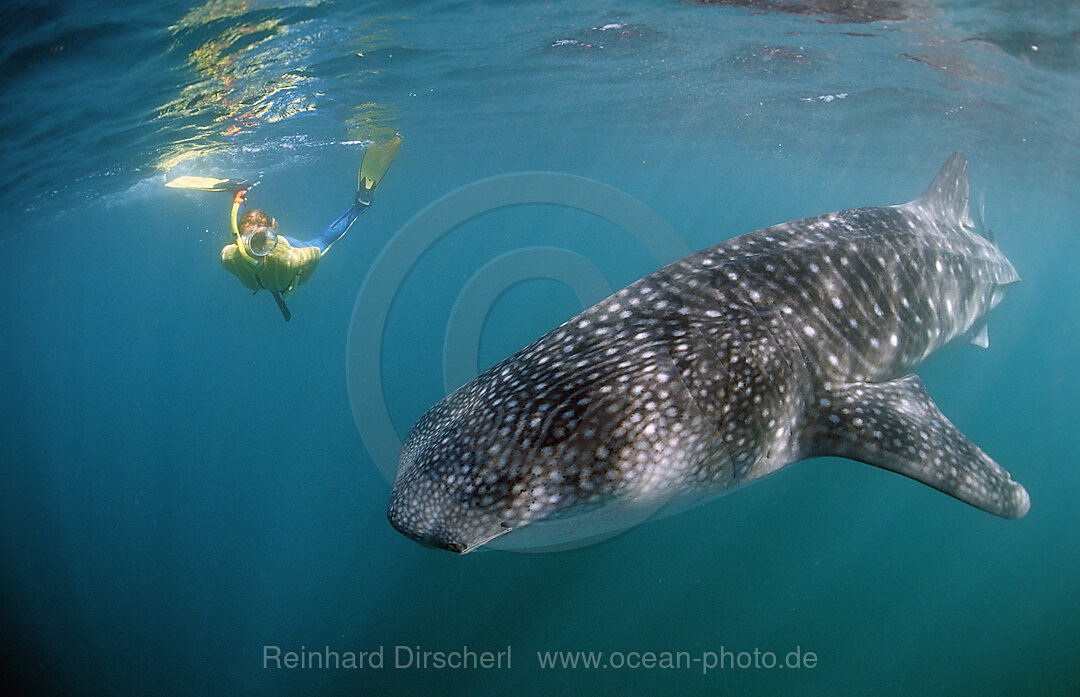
947 195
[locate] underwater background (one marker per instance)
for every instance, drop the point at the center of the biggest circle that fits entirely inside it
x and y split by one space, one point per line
183 483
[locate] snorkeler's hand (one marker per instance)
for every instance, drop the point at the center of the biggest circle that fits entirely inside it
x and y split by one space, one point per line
242 191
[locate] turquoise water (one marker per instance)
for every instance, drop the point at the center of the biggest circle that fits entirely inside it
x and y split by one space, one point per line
183 482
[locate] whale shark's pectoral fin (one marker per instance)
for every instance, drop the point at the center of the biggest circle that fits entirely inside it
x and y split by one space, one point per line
896 426
981 337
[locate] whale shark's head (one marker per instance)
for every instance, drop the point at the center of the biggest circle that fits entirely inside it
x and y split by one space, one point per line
477 467
527 455
446 494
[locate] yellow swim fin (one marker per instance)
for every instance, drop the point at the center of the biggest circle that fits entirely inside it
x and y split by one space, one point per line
207 184
377 159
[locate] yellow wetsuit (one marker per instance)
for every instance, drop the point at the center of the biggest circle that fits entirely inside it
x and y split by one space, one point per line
282 270
285 267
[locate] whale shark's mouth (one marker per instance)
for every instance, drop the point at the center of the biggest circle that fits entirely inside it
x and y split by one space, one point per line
434 518
463 549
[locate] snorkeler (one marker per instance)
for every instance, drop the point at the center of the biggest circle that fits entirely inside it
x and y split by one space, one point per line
264 259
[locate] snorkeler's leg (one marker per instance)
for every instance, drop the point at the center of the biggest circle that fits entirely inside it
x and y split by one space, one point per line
337 229
377 160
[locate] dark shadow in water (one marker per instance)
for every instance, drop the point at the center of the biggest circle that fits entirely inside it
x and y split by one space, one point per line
857 11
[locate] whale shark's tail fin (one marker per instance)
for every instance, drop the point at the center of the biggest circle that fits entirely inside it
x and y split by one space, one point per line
947 195
896 426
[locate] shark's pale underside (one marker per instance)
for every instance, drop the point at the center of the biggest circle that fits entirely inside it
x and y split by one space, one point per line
787 343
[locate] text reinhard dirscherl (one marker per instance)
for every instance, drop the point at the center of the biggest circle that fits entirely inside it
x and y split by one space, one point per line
399 657
402 657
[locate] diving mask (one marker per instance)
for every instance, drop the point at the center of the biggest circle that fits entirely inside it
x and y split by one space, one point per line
260 241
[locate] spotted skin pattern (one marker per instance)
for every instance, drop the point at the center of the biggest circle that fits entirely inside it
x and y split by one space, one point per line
790 342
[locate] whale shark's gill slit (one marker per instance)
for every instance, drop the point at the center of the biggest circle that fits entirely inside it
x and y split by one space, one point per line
696 408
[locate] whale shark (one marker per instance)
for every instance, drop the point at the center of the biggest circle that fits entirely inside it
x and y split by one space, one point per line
791 342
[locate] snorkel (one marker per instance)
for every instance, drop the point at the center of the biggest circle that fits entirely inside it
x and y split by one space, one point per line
241 244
